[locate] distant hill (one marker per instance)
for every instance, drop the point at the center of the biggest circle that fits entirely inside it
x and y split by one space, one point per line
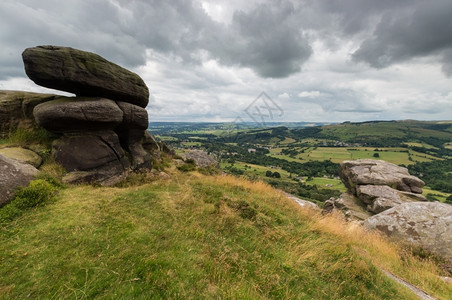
428 134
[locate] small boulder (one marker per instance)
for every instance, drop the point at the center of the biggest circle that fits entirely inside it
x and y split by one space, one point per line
200 158
425 224
23 155
349 204
84 74
13 174
78 114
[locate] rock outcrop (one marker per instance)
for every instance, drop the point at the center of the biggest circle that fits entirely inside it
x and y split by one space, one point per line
102 130
380 185
378 172
426 224
13 174
16 109
84 74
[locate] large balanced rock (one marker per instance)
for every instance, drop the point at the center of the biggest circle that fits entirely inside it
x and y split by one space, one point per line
16 108
378 172
13 174
77 114
84 74
425 224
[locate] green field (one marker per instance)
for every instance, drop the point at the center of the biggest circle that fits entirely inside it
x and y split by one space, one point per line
327 183
338 154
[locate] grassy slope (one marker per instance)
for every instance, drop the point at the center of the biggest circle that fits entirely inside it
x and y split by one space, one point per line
195 236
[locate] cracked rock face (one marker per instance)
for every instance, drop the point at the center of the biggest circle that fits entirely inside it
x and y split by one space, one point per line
426 224
78 113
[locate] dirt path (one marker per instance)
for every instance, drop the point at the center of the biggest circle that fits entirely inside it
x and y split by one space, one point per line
420 293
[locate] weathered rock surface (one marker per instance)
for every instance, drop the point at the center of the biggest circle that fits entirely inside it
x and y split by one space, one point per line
107 175
380 185
426 224
131 133
200 158
84 74
378 172
382 197
13 174
23 155
16 108
78 114
134 117
349 204
90 150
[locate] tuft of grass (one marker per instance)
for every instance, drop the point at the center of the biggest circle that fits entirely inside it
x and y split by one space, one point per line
25 137
37 193
197 236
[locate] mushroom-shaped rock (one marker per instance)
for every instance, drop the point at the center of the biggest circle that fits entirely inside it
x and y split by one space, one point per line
84 74
78 113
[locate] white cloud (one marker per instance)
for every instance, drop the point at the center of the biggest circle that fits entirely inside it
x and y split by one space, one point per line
309 94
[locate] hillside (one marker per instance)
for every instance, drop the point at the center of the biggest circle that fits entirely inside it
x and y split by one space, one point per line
198 236
303 159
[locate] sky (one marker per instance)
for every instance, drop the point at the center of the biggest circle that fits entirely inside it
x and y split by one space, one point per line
281 60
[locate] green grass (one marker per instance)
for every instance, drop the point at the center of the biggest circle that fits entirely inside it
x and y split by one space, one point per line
441 196
327 183
197 236
196 144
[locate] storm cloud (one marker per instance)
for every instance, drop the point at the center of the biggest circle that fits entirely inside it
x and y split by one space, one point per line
418 31
211 58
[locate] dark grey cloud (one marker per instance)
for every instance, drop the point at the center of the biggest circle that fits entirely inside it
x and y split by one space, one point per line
424 29
272 38
262 39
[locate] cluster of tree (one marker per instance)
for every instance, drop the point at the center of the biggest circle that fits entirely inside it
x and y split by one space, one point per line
436 174
310 168
272 174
